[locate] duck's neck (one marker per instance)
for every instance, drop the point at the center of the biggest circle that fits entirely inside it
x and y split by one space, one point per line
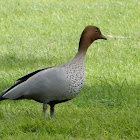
83 46
80 56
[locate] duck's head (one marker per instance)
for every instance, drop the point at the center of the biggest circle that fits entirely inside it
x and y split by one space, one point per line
89 35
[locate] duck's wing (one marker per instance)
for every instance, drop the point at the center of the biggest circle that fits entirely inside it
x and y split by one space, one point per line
27 76
22 79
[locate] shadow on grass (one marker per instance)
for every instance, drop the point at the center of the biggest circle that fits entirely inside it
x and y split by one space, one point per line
109 95
11 61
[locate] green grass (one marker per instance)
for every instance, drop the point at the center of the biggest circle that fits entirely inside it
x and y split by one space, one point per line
41 33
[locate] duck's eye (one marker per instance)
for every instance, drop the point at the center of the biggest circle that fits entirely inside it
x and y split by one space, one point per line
96 31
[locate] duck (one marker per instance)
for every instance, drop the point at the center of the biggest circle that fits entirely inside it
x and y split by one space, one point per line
56 84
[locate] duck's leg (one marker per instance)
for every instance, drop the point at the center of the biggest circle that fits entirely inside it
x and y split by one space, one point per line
52 111
44 110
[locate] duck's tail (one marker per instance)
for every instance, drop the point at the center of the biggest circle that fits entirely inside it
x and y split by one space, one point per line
1 98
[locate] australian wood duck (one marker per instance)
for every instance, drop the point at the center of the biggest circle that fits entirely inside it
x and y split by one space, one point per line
56 84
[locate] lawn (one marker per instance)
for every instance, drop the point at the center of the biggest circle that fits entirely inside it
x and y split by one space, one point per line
36 34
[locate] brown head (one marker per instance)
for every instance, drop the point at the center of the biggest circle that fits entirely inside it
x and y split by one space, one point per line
88 36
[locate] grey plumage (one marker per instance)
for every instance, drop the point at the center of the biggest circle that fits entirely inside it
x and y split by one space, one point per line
55 84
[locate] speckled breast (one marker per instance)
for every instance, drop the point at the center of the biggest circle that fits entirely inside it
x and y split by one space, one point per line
75 73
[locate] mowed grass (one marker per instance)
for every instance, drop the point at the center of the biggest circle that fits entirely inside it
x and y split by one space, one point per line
42 33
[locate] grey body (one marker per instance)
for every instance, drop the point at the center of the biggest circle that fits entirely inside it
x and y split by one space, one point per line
53 84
